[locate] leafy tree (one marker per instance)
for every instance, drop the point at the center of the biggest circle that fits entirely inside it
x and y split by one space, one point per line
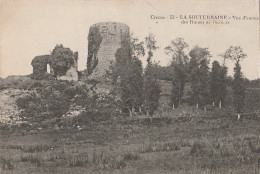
151 87
122 58
151 90
176 91
234 53
194 79
222 85
131 85
199 74
214 82
254 83
137 47
61 60
136 75
177 51
218 83
129 69
203 95
238 89
179 64
122 64
136 50
237 54
150 43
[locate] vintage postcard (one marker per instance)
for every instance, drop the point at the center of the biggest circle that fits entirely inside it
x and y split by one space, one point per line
92 86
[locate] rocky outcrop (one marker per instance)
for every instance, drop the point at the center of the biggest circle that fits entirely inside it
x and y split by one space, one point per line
103 41
9 110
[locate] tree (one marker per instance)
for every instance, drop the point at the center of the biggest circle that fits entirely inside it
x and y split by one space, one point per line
203 95
194 80
179 64
137 47
150 45
151 88
129 69
123 62
214 82
122 58
218 83
136 75
199 74
222 85
177 51
236 53
137 51
238 87
61 60
131 83
176 91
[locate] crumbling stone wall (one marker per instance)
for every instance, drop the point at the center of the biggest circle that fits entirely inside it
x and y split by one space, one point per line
103 41
39 64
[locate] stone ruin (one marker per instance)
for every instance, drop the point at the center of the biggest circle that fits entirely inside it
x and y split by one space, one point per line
40 64
103 41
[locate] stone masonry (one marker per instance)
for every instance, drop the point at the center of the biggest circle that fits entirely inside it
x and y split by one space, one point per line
103 52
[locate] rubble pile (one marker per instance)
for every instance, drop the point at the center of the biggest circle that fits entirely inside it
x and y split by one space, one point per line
9 110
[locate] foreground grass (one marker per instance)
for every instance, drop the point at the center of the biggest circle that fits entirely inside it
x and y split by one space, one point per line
181 144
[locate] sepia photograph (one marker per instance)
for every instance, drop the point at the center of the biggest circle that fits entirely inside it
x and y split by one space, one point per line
130 86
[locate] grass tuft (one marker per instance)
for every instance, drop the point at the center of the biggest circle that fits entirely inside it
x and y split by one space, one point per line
32 159
160 147
6 164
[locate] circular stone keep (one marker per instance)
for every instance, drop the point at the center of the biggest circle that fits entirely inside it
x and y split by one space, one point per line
103 41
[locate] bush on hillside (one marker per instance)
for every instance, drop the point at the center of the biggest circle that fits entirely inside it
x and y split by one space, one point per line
47 103
54 100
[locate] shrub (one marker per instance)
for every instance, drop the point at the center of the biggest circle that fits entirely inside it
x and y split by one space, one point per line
201 149
24 102
62 59
48 103
131 156
70 92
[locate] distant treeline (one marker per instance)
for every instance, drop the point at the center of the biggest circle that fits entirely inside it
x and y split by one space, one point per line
166 73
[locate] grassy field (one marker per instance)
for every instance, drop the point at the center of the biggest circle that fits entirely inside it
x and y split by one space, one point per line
173 142
183 140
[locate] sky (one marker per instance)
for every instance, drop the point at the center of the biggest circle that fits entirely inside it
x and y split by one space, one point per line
32 28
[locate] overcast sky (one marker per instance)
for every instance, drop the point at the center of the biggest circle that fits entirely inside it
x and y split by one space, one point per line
31 28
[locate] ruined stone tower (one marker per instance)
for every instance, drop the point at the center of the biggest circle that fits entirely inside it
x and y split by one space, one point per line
40 64
103 41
